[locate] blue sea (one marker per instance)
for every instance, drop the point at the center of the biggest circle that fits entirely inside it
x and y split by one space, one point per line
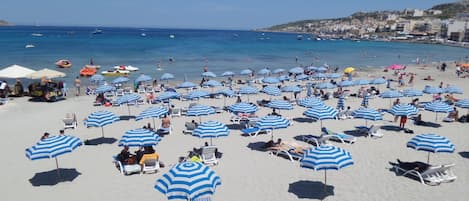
219 50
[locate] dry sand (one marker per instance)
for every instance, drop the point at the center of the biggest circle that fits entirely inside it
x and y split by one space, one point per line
246 174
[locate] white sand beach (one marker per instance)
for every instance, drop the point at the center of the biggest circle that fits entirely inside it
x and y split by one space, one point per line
246 174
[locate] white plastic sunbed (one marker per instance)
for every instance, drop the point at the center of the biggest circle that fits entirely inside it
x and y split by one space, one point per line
342 137
434 175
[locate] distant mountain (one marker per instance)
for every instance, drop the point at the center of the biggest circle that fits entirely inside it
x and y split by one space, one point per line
3 22
450 10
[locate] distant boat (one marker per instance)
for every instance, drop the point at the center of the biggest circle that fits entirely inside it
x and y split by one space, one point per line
299 37
172 36
63 63
127 68
29 46
115 72
36 34
143 34
97 31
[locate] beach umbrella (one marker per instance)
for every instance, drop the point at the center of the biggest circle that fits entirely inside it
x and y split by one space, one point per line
365 100
278 70
246 72
271 90
208 74
349 70
15 72
140 137
270 80
319 76
464 103
403 109
378 81
128 98
263 71
280 105
272 122
326 158
45 73
433 90
228 73
310 102
412 93
333 75
226 92
104 89
346 83
101 119
296 70
96 78
167 77
283 77
301 77
211 129
120 80
367 114
168 95
188 181
340 103
212 83
152 112
321 69
361 82
438 107
186 85
200 110
196 94
293 88
396 67
325 85
453 90
52 147
391 94
321 112
242 108
248 90
143 78
431 143
312 68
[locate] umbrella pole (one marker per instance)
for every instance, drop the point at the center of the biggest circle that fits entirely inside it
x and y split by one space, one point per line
428 158
321 125
102 132
436 116
128 108
154 124
366 122
57 165
200 119
325 180
211 141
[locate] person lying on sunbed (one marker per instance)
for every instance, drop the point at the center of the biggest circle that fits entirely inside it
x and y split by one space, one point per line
290 146
417 166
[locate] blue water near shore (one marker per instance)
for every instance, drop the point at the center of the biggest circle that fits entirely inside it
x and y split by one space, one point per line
193 49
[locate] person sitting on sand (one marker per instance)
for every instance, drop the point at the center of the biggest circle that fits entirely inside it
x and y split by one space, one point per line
429 78
165 125
452 116
45 136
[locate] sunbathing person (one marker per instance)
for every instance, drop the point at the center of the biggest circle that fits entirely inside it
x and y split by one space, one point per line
165 125
417 166
125 157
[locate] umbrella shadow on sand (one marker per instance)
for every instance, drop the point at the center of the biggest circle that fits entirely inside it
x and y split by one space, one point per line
51 178
100 140
464 154
391 128
257 146
235 126
304 120
311 189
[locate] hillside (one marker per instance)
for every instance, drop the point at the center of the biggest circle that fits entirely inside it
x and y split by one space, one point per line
3 22
450 10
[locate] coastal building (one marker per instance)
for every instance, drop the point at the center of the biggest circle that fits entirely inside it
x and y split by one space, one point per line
456 30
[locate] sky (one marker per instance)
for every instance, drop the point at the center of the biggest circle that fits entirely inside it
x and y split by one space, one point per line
216 14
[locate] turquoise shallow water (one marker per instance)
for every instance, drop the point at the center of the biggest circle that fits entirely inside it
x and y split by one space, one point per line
192 49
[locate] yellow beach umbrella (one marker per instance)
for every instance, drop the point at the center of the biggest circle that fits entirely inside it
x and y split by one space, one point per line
349 70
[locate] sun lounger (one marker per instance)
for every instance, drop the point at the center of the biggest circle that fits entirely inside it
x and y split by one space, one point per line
342 137
254 131
127 169
316 140
164 131
70 121
427 174
176 112
372 131
208 155
190 127
293 153
149 163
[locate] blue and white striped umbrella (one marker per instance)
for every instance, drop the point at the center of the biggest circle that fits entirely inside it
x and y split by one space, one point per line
378 81
270 80
168 95
464 103
346 83
228 73
391 94
263 71
211 129
101 119
128 98
326 158
312 68
212 83
453 90
53 146
319 76
365 100
367 114
361 82
293 88
200 110
167 76
333 75
283 77
280 104
433 90
325 85
104 89
188 181
296 70
278 70
321 69
139 138
248 90
310 102
271 90
120 80
197 94
143 78
97 78
302 77
246 72
226 92
243 108
152 112
412 93
340 103
431 143
321 113
272 122
438 107
404 110
208 74
186 85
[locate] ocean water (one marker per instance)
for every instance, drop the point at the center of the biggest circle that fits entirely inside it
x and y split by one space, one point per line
191 50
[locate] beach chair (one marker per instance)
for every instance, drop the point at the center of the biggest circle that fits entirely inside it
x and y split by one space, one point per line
372 131
254 131
341 137
119 92
427 174
149 163
290 152
317 140
176 112
141 89
127 169
208 155
164 131
70 121
190 127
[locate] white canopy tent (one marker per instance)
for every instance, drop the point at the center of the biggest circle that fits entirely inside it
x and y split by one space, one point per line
15 71
48 73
